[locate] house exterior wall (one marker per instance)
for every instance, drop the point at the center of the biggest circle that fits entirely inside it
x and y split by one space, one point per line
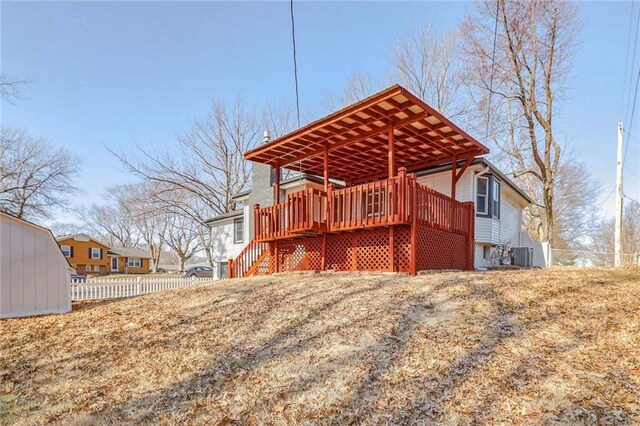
34 275
81 258
223 246
488 231
123 269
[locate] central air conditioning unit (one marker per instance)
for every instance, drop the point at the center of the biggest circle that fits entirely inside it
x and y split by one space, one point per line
522 256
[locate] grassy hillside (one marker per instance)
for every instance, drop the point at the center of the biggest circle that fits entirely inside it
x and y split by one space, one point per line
521 346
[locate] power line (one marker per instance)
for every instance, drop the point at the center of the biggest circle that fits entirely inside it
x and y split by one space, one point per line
631 199
626 60
295 62
493 67
633 111
633 62
606 198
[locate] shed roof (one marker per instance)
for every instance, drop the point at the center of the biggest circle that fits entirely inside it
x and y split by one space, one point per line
357 139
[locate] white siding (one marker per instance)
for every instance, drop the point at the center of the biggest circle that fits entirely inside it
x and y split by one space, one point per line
34 275
510 222
484 230
223 246
441 182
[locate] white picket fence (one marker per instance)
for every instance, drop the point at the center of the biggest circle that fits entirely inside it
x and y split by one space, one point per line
96 288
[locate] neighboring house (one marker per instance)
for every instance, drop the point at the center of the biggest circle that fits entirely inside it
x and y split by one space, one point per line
129 260
402 189
87 255
34 275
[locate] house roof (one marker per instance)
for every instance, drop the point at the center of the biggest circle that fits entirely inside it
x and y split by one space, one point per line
80 237
234 213
357 139
128 252
485 163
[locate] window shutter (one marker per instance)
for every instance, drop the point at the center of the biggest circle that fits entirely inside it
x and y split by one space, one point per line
71 251
100 253
89 252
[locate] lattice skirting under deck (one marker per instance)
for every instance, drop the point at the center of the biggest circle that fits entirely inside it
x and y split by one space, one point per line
368 250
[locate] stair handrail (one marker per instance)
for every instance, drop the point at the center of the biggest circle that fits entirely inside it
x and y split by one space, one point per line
242 264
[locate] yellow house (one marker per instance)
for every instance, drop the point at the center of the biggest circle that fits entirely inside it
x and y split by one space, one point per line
87 255
91 257
128 260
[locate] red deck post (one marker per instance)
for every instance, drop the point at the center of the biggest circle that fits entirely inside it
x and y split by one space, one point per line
325 156
230 268
393 199
278 222
454 177
413 208
471 221
257 225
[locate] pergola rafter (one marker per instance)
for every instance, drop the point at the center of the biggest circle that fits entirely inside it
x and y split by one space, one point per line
357 136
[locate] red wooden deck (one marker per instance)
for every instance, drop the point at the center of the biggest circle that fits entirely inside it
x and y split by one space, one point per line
389 223
355 228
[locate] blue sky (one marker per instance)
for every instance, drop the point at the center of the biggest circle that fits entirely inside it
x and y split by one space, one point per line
109 74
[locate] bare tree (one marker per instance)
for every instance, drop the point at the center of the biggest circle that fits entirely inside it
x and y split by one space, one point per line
603 237
112 223
182 236
150 220
425 62
35 177
359 86
534 44
197 179
575 208
59 229
10 87
208 164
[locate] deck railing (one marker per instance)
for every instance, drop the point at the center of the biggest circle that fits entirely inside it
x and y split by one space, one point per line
382 203
302 212
436 210
253 260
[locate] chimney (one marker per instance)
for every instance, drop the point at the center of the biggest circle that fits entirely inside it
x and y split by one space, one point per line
261 189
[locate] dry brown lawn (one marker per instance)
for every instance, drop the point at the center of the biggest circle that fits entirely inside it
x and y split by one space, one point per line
544 346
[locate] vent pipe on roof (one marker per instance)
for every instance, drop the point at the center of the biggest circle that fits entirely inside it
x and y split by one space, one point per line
266 137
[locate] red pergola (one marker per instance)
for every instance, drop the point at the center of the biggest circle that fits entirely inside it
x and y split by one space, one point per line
349 145
382 219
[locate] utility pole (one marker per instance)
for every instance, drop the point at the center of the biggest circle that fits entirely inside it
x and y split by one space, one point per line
618 231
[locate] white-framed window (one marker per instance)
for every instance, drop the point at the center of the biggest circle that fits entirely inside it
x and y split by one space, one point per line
95 253
238 231
482 195
486 252
66 250
134 262
495 198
